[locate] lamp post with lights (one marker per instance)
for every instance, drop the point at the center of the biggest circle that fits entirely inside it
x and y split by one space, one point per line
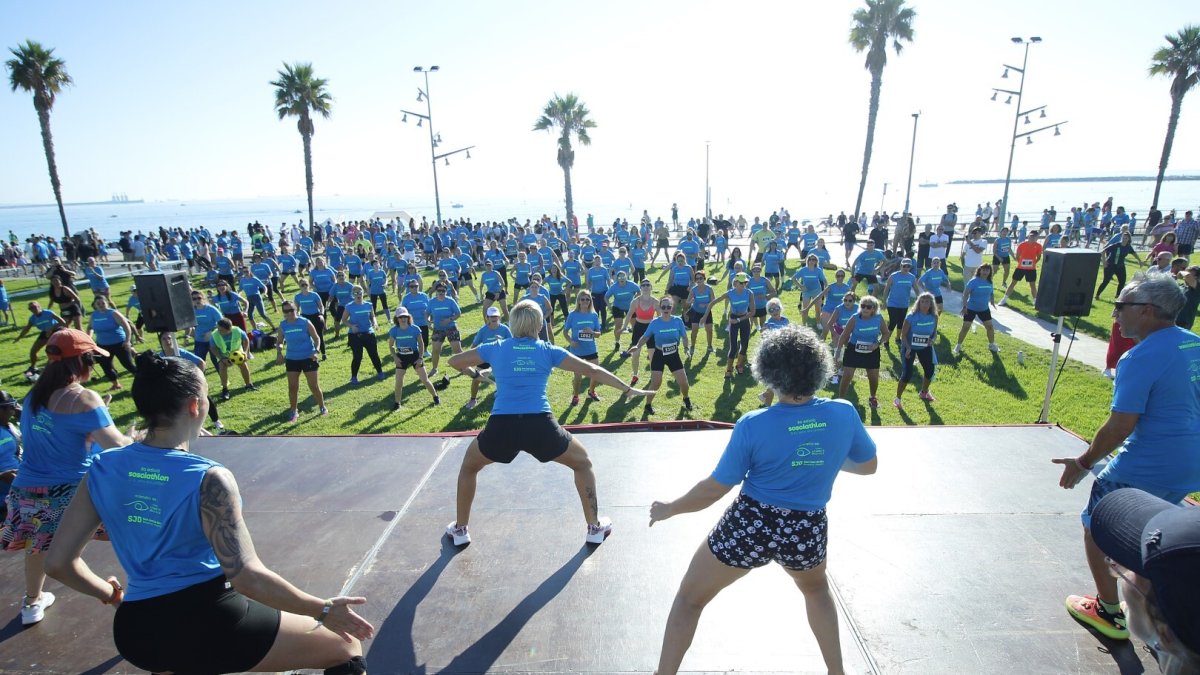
1028 135
911 156
435 139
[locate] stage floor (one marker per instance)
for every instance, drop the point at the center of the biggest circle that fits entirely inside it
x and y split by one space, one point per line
954 558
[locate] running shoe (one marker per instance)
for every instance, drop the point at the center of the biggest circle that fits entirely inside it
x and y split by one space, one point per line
293 415
1003 302
380 375
470 404
926 396
353 381
593 396
633 380
874 403
994 348
897 404
648 410
432 372
711 351
459 535
958 350
33 612
324 411
574 400
1108 373
1085 608
426 355
322 356
835 379
252 387
224 394
395 406
687 404
597 533
625 354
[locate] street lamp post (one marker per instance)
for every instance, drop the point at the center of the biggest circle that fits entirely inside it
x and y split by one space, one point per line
1028 135
435 139
911 155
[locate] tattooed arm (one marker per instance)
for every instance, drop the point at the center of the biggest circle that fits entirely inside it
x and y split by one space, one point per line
221 517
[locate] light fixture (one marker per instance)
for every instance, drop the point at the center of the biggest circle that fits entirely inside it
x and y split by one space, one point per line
1029 140
1017 40
994 96
1008 100
1057 132
417 69
420 96
1034 40
1043 113
1027 119
1005 75
469 152
419 120
434 69
405 118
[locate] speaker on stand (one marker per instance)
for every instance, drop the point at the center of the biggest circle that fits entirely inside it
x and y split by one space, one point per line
1068 281
166 301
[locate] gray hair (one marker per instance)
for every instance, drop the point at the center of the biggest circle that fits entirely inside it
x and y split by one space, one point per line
792 361
774 303
525 319
1160 291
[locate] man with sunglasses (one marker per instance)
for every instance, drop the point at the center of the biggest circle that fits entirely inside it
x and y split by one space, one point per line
1154 427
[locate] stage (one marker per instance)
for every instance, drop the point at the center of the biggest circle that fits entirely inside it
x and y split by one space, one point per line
954 558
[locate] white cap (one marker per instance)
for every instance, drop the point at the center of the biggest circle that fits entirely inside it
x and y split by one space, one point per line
493 311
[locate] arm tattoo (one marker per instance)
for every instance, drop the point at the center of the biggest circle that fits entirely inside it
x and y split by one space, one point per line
221 515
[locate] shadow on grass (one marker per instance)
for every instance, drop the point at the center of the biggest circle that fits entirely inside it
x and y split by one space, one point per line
995 374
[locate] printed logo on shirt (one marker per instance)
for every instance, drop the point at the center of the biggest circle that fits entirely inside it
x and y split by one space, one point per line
807 425
810 454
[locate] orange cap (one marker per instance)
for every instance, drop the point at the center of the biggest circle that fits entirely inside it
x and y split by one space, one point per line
68 342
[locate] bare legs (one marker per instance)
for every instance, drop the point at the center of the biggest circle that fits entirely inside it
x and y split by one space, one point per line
575 458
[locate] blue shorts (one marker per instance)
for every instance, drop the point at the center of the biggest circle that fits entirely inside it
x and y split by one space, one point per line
1102 487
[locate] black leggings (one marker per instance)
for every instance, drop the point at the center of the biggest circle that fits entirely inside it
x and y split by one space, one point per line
358 341
739 338
896 317
561 301
119 352
1117 270
212 410
376 298
318 322
925 356
639 274
600 307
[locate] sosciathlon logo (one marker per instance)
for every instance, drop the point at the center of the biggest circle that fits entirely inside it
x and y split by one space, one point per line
808 425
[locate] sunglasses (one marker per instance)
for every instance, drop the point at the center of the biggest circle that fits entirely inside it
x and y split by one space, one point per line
289 311
869 306
666 307
1118 306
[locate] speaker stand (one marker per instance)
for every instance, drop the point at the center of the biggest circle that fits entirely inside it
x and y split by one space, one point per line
1057 337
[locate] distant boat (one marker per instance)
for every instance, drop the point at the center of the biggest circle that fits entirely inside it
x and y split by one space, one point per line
927 185
113 216
456 205
296 211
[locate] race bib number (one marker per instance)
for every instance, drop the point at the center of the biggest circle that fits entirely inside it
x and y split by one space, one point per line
668 350
585 335
920 340
1026 262
864 347
407 351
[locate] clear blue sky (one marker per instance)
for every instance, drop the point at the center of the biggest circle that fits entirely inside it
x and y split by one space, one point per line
171 100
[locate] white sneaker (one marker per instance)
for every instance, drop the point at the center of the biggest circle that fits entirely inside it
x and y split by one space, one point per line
1109 373
459 535
836 379
470 404
762 397
994 348
597 533
957 350
1003 301
36 611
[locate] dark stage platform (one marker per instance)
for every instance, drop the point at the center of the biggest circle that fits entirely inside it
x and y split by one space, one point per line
954 558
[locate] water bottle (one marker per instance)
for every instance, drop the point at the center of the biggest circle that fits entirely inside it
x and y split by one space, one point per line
1020 358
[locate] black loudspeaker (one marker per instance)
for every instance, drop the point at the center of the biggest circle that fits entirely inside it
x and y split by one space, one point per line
1067 282
166 301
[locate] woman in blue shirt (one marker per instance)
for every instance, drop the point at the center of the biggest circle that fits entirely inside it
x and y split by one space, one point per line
773 264
582 328
700 297
622 294
407 346
858 347
680 277
492 284
829 299
377 285
741 310
112 331
933 281
598 279
811 279
253 288
310 306
669 334
977 301
787 458
638 256
46 321
341 294
897 293
522 419
231 304
302 342
176 523
443 315
360 323
63 425
918 334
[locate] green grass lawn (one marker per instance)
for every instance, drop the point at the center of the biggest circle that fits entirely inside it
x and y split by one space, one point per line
976 388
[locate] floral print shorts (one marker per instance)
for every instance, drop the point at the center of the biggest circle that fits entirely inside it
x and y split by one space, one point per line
752 534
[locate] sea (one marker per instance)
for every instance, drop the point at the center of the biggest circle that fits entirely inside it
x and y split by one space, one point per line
928 203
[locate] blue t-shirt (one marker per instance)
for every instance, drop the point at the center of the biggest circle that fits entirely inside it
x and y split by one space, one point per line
933 280
772 323
417 305
56 448
866 261
979 294
206 321
901 290
149 500
598 279
444 312
771 262
681 275
582 328
108 331
702 297
812 279
8 456
308 304
921 330
407 339
833 298
666 333
868 333
377 281
492 281
521 367
739 302
488 334
622 294
360 314
322 279
298 343
788 455
1159 380
251 286
344 292
43 320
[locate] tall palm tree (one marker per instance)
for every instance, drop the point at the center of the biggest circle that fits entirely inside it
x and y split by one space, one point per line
36 70
880 24
1180 61
570 116
298 93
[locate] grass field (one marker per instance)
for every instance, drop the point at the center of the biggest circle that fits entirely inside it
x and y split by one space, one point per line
976 388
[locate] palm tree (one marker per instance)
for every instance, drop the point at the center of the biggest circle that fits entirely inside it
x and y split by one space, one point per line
1181 62
880 23
37 71
570 116
299 94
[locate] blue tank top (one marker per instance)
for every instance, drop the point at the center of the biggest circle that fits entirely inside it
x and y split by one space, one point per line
149 500
299 344
739 303
108 331
702 296
921 330
833 298
867 334
902 285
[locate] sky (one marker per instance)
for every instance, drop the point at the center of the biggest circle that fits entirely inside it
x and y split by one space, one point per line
172 100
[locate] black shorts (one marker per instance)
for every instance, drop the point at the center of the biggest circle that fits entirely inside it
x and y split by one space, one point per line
205 628
1029 275
669 362
856 359
985 315
751 534
502 295
760 312
539 434
618 313
678 292
593 357
869 278
465 276
1000 260
693 318
301 365
520 287
406 361
639 329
